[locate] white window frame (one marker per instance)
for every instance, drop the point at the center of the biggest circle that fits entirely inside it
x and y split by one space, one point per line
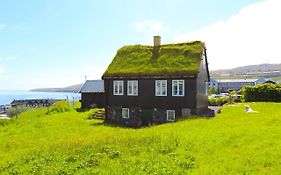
117 83
161 88
169 120
133 84
178 86
123 113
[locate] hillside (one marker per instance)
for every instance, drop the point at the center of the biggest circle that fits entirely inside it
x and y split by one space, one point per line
233 142
73 88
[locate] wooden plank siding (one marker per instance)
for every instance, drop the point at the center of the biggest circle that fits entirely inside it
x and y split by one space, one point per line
89 100
146 100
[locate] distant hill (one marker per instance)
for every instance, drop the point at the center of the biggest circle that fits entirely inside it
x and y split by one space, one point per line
272 71
260 68
73 88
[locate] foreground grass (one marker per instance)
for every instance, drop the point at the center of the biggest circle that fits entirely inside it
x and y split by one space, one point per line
233 142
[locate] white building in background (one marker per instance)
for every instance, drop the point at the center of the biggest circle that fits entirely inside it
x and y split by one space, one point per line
236 84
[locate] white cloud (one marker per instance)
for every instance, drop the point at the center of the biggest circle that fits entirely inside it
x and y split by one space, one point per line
250 37
2 26
1 70
151 27
8 58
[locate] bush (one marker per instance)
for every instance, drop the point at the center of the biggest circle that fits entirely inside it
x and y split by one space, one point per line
262 93
58 107
232 97
219 101
15 111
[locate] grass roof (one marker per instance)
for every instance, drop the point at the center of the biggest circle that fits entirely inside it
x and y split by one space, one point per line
170 59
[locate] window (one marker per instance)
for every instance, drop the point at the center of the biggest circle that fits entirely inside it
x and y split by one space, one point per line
117 87
171 115
178 87
132 87
125 112
160 87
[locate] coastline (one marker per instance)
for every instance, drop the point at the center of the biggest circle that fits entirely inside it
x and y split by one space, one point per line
7 96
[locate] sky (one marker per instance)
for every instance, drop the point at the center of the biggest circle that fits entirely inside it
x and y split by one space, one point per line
57 43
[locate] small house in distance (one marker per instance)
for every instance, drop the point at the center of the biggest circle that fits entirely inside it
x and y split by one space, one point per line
92 94
157 84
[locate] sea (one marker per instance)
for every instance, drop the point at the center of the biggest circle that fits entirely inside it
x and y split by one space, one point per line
6 97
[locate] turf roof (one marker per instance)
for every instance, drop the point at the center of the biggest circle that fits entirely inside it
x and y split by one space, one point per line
170 59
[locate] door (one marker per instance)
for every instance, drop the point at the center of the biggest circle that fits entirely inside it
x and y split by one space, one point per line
146 116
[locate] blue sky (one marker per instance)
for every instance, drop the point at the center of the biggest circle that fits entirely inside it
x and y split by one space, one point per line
56 43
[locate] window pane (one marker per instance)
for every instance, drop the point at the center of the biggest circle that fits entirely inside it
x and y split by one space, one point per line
115 88
164 85
135 88
180 89
129 87
157 87
175 88
120 90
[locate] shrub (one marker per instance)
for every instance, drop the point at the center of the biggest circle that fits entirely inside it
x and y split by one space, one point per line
212 90
58 107
15 111
219 101
262 93
232 97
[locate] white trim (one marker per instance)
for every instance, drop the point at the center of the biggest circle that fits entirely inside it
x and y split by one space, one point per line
133 85
169 120
178 86
123 116
118 83
161 90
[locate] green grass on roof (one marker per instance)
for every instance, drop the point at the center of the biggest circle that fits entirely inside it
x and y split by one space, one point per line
147 60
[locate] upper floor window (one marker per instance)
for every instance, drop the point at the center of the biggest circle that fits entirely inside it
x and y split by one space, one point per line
178 87
161 87
132 87
118 87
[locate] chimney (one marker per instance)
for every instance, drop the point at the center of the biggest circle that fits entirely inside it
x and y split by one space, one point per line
157 41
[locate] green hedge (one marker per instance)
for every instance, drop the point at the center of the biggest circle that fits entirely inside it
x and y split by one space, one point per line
262 93
219 101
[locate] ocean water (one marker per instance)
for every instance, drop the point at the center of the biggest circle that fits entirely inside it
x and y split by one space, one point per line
6 97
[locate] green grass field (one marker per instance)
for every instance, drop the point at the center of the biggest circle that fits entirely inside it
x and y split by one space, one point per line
233 142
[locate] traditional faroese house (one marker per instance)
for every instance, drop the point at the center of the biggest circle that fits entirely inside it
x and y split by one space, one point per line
156 84
92 94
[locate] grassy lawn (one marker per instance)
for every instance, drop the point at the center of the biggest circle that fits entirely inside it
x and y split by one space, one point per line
233 142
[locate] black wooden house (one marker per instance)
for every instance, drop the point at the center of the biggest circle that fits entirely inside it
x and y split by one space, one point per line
92 94
157 84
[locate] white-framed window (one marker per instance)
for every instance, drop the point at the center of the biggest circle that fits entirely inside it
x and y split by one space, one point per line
125 113
171 115
160 87
132 87
118 87
177 87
